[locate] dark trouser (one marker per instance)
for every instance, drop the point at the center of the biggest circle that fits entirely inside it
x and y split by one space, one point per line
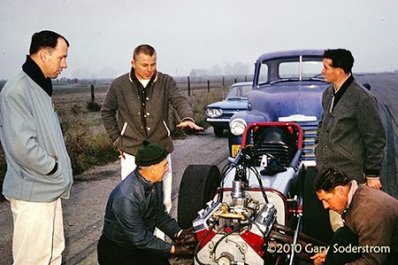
343 237
110 254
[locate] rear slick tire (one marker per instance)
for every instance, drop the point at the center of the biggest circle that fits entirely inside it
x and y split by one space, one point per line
199 185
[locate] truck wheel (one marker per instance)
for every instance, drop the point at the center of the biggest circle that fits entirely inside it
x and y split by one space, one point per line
199 184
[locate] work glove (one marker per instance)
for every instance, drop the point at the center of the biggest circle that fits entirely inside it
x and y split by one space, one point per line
182 251
186 238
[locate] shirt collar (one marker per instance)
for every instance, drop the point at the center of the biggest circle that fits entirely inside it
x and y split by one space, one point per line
343 84
147 183
133 78
351 192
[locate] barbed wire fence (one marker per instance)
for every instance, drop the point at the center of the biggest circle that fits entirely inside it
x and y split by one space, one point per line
190 83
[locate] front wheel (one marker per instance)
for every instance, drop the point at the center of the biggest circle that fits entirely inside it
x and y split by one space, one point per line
218 131
199 185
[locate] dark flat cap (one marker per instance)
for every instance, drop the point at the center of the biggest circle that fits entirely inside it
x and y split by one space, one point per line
150 154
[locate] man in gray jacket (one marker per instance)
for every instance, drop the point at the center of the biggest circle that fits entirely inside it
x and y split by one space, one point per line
39 171
136 109
351 136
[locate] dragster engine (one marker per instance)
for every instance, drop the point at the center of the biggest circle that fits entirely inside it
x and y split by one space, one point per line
256 205
234 232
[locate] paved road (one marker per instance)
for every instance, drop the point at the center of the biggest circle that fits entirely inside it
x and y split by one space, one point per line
83 212
384 87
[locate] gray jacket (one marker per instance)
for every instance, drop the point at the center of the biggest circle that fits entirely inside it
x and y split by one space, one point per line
351 138
122 117
32 141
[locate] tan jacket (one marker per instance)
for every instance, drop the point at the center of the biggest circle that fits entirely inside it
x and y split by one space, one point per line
122 113
373 216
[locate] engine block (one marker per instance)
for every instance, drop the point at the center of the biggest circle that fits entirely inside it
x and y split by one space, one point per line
234 232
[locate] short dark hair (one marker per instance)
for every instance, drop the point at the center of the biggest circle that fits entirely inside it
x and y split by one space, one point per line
330 178
45 39
145 49
341 58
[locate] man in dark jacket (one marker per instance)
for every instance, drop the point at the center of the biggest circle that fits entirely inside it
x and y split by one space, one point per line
134 209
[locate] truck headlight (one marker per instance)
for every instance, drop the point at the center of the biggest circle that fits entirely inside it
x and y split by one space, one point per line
214 113
237 126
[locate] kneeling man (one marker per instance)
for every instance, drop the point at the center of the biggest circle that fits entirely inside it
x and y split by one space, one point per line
371 214
135 207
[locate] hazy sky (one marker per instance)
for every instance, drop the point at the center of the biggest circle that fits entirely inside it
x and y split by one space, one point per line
189 34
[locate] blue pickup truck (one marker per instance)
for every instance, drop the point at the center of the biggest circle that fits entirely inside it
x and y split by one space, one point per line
287 87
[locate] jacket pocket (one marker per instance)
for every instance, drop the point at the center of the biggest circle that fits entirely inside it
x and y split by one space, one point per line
347 153
167 129
118 143
33 177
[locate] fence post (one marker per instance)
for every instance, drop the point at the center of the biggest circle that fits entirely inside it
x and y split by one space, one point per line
189 86
92 93
208 85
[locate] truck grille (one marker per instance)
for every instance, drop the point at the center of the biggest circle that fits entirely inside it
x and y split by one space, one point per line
310 129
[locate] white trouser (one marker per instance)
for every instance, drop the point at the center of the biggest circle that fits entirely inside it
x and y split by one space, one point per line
38 232
128 165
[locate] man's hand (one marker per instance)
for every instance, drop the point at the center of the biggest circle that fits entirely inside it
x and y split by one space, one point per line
186 238
182 251
189 125
373 182
319 258
185 243
121 154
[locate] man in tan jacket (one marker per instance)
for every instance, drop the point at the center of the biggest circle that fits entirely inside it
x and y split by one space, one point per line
372 215
136 109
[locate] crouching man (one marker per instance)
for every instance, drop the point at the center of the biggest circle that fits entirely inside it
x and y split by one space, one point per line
370 220
135 207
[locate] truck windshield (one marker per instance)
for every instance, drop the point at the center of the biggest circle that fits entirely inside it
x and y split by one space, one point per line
238 91
306 69
292 68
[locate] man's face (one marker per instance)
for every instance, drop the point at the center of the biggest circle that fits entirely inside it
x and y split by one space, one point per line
335 200
329 72
159 170
55 59
144 65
